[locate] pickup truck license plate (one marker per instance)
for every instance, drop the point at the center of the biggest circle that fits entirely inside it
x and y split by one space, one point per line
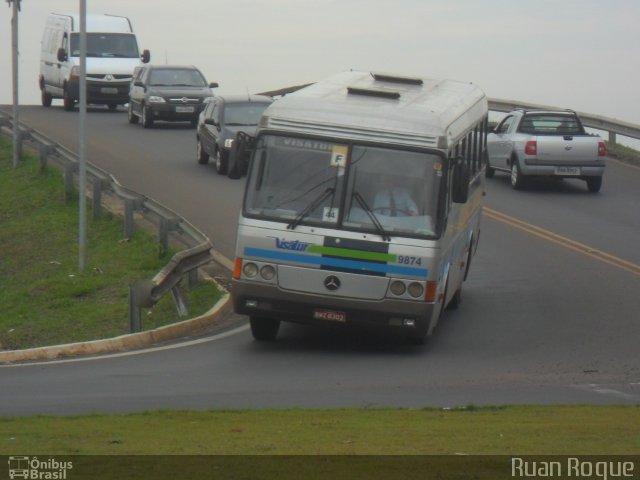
181 109
330 315
567 170
109 90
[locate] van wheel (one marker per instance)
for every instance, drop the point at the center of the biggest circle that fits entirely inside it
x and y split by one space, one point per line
147 118
489 172
264 329
132 117
594 184
46 98
201 155
68 102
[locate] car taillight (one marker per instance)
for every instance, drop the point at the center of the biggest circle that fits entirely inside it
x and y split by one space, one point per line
531 147
602 149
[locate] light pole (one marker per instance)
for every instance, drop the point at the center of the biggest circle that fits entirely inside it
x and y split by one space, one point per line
14 62
82 160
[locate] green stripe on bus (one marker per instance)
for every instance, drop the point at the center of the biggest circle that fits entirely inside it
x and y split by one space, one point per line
349 253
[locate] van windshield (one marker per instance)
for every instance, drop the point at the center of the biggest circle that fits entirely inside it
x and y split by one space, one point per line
389 191
119 45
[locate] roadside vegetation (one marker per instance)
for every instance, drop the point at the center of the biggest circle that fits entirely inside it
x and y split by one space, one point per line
530 430
45 299
623 153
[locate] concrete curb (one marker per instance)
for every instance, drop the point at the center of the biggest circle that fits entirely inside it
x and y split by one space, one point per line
122 343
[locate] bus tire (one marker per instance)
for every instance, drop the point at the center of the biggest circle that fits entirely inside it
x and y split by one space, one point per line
455 301
264 329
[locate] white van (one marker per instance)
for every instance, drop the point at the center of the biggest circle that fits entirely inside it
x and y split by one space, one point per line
112 54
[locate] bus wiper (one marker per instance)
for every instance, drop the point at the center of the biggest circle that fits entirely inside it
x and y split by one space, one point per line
311 207
383 233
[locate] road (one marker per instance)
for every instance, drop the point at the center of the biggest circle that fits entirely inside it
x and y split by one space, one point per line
550 309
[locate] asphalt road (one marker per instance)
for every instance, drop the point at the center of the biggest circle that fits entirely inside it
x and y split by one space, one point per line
549 312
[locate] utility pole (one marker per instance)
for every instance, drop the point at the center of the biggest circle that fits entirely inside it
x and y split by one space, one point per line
14 62
82 160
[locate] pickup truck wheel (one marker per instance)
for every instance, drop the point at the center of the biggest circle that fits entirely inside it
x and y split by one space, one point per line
264 329
489 171
201 155
517 177
594 184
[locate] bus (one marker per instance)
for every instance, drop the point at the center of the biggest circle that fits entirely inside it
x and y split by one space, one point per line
362 204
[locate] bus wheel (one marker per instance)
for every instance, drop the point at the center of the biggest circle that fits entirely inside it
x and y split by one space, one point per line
455 300
264 329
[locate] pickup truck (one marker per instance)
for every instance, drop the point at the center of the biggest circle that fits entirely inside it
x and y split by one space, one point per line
551 143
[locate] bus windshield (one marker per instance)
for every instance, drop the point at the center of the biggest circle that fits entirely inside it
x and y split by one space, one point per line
389 191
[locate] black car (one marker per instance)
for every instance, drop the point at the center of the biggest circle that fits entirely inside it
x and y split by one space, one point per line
167 92
221 121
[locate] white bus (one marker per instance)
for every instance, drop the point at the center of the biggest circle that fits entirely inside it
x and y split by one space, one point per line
362 204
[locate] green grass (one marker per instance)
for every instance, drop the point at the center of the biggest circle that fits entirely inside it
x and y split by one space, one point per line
623 153
45 299
584 430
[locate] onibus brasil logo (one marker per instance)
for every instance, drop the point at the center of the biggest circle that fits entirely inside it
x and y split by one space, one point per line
34 468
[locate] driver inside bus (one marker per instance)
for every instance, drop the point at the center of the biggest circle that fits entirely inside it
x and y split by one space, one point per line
394 199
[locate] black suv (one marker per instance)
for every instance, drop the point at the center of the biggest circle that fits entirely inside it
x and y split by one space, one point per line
221 121
167 92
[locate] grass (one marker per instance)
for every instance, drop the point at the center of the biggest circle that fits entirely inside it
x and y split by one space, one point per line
530 430
45 299
623 153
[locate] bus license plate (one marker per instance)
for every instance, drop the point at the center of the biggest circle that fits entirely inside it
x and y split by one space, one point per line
185 109
567 170
329 315
109 90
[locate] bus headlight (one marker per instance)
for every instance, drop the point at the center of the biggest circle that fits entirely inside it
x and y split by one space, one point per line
268 272
415 290
397 288
250 270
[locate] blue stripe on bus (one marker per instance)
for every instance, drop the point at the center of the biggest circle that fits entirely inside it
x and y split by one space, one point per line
335 262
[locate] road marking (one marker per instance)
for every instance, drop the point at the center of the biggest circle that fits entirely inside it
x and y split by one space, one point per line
134 352
563 241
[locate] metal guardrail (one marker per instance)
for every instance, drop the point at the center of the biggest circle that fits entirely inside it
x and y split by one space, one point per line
186 262
611 125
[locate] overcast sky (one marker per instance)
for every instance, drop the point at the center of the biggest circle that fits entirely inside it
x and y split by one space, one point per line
579 54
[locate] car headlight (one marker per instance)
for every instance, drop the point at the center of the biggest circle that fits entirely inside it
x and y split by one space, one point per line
228 143
156 99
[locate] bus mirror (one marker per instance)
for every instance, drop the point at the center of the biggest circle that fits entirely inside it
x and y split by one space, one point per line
461 178
146 56
62 55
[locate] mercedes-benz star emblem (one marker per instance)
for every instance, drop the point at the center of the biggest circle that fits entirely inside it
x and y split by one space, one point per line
332 283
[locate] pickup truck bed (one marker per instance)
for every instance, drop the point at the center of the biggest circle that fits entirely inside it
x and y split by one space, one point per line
545 143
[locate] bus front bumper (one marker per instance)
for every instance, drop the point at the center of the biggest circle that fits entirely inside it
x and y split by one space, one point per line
267 300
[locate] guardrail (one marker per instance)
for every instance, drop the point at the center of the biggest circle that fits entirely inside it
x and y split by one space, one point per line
611 125
169 224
